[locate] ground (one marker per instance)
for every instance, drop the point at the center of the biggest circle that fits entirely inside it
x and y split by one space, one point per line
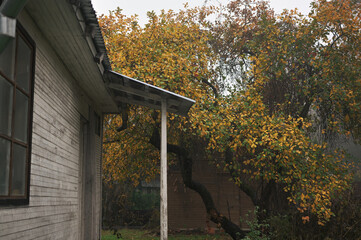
137 234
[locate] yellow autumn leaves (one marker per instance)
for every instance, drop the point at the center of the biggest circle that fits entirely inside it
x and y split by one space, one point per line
275 147
284 68
171 52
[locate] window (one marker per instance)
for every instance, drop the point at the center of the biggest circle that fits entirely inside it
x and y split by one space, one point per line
16 101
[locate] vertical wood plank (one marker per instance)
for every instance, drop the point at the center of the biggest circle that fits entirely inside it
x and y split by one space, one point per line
163 174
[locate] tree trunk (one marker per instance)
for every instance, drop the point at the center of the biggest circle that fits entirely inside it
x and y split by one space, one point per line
186 164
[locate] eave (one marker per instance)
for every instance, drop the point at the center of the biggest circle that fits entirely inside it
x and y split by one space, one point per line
128 90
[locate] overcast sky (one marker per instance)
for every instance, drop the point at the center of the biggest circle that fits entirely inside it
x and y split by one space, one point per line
141 7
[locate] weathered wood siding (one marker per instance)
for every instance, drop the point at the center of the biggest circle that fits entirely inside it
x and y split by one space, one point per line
91 223
54 209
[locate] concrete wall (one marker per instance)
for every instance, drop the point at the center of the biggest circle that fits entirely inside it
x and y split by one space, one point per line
56 209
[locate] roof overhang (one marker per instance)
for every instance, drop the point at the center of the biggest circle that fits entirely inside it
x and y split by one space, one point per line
128 90
71 29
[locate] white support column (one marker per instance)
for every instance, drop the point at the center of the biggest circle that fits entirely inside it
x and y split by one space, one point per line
163 174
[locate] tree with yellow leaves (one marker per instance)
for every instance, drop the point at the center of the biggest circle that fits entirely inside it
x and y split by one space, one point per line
302 68
262 84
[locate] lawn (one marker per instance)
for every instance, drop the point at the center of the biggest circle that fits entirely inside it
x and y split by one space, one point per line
138 234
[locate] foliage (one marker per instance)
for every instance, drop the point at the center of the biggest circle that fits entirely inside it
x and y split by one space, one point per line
123 160
300 82
344 226
272 93
125 205
301 65
282 227
257 229
145 201
347 221
171 52
274 148
114 203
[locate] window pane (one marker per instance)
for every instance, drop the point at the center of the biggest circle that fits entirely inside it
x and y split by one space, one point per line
4 166
7 60
21 117
6 102
18 171
23 68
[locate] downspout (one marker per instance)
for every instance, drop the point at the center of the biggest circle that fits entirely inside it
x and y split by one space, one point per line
9 10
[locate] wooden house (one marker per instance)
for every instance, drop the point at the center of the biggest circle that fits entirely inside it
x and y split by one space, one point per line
52 98
55 85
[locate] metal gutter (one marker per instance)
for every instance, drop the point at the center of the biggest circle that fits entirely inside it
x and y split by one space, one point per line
9 10
93 28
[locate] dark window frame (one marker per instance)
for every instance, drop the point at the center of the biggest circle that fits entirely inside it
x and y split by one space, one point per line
21 200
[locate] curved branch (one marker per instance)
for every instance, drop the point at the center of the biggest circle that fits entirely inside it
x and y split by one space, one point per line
214 89
186 164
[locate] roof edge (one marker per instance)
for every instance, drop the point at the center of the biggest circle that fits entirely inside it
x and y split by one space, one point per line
125 89
90 17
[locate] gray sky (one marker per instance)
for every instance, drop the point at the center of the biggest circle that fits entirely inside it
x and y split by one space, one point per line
141 7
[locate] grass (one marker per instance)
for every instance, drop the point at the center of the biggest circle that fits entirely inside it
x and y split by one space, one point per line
138 234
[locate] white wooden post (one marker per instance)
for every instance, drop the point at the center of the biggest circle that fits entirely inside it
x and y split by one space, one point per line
163 174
